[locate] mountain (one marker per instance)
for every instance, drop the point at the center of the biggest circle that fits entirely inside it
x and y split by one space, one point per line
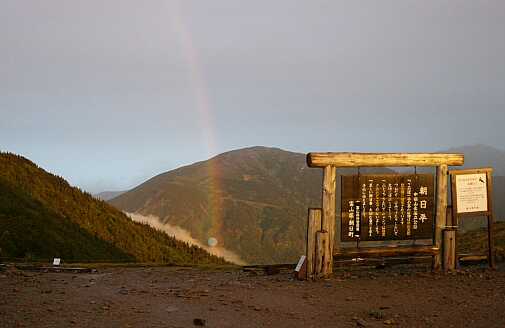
253 201
482 156
108 195
42 216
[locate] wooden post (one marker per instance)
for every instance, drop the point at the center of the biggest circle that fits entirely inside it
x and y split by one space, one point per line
313 225
449 249
490 221
329 217
442 173
452 220
490 239
322 261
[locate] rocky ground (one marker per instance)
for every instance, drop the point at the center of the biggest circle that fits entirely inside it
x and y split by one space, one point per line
188 297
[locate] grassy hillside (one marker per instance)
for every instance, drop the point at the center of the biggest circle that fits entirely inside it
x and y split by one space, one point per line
42 216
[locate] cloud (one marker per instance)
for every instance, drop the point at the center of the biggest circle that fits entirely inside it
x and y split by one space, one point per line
184 235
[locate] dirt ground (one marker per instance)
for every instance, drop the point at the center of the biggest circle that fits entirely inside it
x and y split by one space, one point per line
189 297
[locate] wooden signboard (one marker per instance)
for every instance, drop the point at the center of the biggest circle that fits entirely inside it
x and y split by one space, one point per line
387 207
386 196
472 192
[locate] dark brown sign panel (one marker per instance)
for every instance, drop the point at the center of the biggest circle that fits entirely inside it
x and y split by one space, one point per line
387 207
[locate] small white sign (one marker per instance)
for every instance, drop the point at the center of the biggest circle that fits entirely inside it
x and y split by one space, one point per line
300 263
56 261
471 192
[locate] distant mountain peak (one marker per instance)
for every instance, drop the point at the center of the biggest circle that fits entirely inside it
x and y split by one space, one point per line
477 147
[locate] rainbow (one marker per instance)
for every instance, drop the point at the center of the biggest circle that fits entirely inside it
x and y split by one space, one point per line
202 102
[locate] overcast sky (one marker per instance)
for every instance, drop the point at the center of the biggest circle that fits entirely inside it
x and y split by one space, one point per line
109 93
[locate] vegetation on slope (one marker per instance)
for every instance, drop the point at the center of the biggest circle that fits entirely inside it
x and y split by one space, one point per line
253 201
42 216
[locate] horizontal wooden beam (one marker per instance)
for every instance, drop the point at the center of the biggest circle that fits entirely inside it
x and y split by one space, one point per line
385 251
472 258
383 159
383 261
472 171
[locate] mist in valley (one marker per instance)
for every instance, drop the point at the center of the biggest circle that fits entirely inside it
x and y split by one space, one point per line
184 235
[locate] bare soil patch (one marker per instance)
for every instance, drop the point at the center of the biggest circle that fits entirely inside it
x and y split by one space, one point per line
188 297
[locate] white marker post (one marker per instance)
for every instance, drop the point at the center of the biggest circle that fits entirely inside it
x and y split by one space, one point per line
301 268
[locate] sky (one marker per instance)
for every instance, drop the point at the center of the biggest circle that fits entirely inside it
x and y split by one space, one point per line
110 93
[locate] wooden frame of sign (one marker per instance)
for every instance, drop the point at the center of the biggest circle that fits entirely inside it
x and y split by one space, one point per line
472 196
322 247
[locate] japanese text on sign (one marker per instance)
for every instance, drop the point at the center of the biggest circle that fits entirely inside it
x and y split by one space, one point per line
471 192
385 207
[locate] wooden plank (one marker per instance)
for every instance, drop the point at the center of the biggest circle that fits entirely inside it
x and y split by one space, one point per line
472 171
449 253
329 211
282 266
365 252
313 225
347 262
442 174
55 269
472 258
383 159
390 261
322 259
